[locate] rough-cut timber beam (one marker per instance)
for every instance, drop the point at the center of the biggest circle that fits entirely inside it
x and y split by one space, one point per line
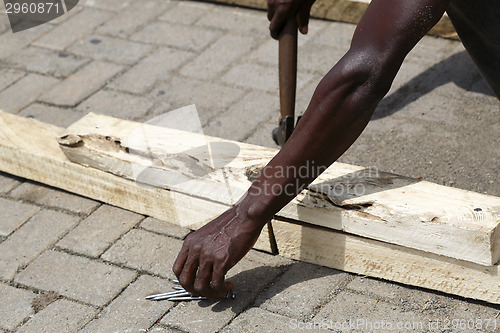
387 261
365 202
29 149
346 11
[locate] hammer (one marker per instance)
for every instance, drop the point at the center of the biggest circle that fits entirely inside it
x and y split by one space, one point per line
288 81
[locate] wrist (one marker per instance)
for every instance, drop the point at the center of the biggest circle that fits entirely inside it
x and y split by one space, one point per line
254 211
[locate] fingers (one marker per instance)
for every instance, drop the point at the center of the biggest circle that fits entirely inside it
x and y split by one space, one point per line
180 261
204 281
270 10
278 22
303 15
188 275
198 276
220 287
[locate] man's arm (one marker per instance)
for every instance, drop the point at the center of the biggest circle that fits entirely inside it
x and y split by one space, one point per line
339 110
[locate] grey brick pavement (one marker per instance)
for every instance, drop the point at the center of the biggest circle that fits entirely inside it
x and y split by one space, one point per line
138 60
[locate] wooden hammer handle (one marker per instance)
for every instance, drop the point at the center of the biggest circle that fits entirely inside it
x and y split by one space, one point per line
288 68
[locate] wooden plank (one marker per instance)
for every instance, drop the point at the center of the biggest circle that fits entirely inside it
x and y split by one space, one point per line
387 261
29 149
366 202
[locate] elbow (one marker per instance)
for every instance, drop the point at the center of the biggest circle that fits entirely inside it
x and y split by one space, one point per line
367 77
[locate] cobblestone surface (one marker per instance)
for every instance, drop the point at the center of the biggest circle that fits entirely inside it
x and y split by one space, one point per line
99 231
13 214
82 84
138 60
31 239
76 277
60 316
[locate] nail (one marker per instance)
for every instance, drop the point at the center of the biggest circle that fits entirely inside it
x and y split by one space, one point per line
191 298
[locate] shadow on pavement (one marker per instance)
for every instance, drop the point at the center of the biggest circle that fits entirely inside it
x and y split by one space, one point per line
458 68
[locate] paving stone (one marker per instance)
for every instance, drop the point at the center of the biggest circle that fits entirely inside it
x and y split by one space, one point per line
130 312
335 34
31 239
52 115
404 296
267 52
210 98
249 277
25 91
358 313
111 5
163 227
117 104
13 214
30 192
4 23
262 78
9 76
47 62
305 94
13 43
158 66
267 259
73 29
186 12
161 328
7 182
257 320
262 134
16 306
236 20
318 58
133 17
44 195
181 36
82 84
300 290
60 316
145 251
110 49
431 50
75 277
435 108
98 231
218 57
457 315
243 118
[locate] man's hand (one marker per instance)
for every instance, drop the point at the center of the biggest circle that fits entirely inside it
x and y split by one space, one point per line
280 11
211 251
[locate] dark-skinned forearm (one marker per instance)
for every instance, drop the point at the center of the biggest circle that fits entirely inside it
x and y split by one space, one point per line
339 110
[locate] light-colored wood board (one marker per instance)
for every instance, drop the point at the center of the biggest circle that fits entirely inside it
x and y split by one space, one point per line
29 149
387 261
367 202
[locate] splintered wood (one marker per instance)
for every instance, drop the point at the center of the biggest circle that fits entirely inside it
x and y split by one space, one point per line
351 218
